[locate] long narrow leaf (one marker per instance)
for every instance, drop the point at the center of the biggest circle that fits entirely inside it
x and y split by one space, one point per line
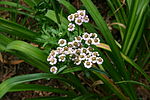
19 30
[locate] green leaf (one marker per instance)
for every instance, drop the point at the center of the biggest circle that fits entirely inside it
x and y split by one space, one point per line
136 18
8 84
112 86
51 15
4 41
133 82
17 30
12 4
36 87
30 54
69 6
14 10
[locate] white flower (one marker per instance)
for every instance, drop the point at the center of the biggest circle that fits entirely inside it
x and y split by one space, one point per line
77 51
53 61
93 35
53 69
82 56
70 44
95 53
87 64
81 13
89 41
53 53
96 41
49 57
66 50
86 19
78 38
78 21
70 50
93 59
60 49
71 27
77 62
90 49
76 44
99 60
84 50
62 57
85 36
71 17
62 42
76 15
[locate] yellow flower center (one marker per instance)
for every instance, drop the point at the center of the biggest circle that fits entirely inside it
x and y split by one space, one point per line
75 44
62 42
76 15
53 69
100 59
81 56
89 41
93 58
88 63
95 40
71 26
79 21
62 57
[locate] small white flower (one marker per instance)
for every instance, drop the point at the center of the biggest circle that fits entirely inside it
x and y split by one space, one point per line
76 44
86 19
71 17
93 59
66 50
82 56
70 50
71 27
90 49
99 60
93 35
87 64
53 69
53 61
78 21
96 41
85 36
81 13
89 41
70 44
84 50
60 50
78 38
77 62
62 57
62 42
95 53
53 53
49 57
76 15
77 51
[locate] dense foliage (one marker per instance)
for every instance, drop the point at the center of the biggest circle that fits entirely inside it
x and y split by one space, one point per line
119 62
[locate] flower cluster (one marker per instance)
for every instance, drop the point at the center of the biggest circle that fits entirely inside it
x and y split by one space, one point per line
79 51
78 18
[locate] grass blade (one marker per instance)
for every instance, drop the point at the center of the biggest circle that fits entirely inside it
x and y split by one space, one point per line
31 54
8 84
12 4
36 87
19 30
